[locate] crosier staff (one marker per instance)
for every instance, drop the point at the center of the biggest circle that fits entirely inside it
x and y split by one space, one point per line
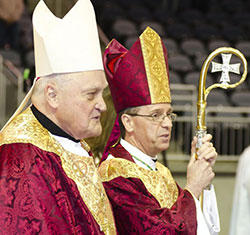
203 92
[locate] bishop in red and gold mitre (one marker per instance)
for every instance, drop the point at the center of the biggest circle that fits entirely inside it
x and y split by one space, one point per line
138 76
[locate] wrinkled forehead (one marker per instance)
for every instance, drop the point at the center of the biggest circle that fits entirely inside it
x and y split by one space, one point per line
87 79
161 107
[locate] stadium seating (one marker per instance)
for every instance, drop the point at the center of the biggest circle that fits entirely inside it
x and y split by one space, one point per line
189 30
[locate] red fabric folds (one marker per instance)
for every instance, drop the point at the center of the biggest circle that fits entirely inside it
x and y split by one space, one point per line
126 75
113 138
136 211
37 197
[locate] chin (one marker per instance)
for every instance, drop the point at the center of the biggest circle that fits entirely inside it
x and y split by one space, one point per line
95 132
164 147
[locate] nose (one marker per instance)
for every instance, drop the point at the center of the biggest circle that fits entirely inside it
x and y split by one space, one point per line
100 105
166 122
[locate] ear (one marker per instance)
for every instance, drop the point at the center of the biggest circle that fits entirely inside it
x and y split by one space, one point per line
127 122
51 94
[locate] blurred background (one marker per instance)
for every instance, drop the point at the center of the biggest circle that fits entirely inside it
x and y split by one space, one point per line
191 30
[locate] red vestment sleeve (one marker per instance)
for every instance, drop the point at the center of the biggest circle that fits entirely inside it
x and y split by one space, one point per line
37 197
136 211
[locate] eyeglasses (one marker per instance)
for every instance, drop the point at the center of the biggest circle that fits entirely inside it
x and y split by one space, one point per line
157 117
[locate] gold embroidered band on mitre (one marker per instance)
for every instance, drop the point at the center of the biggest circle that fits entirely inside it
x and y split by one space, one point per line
159 183
155 66
82 170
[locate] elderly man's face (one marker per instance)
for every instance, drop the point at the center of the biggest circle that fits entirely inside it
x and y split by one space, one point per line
81 104
151 136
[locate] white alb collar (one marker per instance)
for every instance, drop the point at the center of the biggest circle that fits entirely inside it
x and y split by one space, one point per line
139 155
71 146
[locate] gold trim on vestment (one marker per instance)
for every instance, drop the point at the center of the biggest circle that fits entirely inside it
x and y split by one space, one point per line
159 183
155 66
82 170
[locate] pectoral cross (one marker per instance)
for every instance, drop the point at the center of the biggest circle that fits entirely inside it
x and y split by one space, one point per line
225 68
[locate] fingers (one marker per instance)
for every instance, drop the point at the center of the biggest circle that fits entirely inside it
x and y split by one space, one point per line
208 152
207 138
207 170
199 175
210 174
211 158
205 149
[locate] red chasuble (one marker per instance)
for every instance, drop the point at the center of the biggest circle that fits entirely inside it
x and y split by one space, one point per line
46 190
144 201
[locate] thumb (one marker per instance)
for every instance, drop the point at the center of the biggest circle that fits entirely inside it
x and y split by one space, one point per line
192 159
193 145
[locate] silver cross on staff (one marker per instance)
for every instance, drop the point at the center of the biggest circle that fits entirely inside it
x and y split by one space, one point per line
225 67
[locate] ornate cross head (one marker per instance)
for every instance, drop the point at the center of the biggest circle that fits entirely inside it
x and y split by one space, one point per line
225 68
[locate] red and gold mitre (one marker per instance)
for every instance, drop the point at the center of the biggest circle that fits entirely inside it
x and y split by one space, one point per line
138 76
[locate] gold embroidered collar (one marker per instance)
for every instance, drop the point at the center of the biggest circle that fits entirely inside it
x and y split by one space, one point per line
159 183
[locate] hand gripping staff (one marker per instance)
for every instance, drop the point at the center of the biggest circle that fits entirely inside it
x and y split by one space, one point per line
225 68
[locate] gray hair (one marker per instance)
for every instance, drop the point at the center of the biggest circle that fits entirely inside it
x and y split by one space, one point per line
132 110
58 78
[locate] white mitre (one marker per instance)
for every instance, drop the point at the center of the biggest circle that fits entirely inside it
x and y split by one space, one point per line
66 45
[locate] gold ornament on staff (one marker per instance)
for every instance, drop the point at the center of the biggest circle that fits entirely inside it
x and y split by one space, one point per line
225 68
